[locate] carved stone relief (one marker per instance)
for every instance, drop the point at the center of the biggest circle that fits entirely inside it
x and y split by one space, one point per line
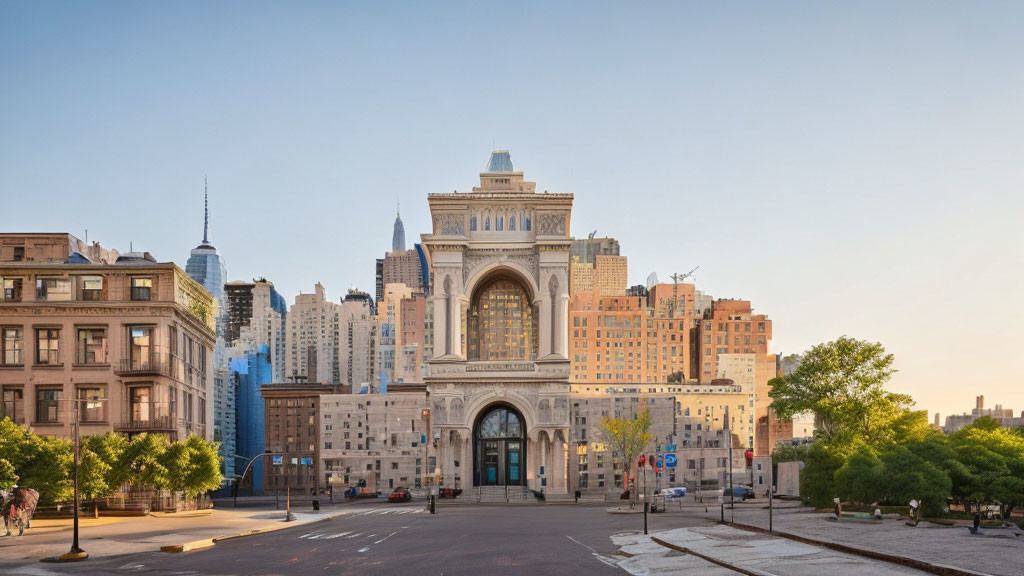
473 260
551 224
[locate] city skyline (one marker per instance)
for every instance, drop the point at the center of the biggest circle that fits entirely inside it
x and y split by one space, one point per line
831 213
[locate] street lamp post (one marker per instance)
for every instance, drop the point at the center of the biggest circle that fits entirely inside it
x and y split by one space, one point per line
771 492
76 553
732 488
700 471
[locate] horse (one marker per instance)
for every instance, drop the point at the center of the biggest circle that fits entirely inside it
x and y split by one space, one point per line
18 506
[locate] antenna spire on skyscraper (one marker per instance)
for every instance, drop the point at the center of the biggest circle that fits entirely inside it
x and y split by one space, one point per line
206 213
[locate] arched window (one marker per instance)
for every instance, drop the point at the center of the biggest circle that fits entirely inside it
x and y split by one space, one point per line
499 223
512 223
487 221
472 222
526 225
501 322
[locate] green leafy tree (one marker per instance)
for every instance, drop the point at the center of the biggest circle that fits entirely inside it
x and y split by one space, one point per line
842 383
193 466
98 470
7 476
628 437
92 473
203 473
142 461
175 460
907 477
46 467
13 441
861 478
790 453
817 479
988 465
110 448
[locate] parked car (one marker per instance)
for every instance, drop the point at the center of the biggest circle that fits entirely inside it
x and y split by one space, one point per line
741 492
677 492
400 494
448 492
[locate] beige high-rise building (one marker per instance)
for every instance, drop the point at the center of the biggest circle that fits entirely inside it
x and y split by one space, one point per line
125 341
358 326
390 363
256 317
581 276
610 275
313 338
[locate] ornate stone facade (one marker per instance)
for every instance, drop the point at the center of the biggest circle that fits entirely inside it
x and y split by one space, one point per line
471 386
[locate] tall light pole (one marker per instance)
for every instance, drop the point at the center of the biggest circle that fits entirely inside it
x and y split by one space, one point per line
75 550
76 553
732 488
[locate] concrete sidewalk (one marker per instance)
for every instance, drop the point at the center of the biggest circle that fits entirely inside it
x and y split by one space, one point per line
724 550
171 532
998 553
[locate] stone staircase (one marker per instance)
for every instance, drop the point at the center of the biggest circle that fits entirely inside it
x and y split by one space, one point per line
503 494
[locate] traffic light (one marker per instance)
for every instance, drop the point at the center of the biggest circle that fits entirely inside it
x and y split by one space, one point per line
650 460
640 463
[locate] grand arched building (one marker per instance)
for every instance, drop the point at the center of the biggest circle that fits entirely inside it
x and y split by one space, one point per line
499 375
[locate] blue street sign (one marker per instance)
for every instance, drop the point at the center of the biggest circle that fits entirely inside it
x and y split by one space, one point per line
306 461
541 471
659 463
278 460
670 460
670 448
423 438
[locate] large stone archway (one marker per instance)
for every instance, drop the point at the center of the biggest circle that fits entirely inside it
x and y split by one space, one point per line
499 296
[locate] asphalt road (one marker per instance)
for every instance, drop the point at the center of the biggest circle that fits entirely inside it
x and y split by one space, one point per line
405 539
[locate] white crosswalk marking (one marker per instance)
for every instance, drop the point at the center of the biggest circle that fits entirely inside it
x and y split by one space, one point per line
354 535
339 535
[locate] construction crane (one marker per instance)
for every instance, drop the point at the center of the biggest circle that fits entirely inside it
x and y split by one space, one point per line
676 279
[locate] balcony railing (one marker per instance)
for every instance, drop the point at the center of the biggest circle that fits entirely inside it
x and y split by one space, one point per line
155 419
156 363
129 423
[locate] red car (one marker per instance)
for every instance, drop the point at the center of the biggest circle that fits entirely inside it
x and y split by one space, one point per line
400 494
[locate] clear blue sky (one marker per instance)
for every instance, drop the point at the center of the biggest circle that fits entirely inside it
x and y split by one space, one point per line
852 168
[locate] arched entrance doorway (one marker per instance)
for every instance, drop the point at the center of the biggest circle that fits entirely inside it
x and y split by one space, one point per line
499 454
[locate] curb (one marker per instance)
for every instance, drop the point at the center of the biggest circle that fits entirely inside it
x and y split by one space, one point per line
716 561
937 569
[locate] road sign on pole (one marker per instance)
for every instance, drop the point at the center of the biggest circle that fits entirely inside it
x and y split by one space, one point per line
670 460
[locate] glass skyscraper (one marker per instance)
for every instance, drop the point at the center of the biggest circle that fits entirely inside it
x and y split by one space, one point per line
206 267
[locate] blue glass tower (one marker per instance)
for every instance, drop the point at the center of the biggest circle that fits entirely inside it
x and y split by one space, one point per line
206 267
249 374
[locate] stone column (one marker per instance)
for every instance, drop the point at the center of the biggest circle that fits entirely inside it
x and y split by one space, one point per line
563 325
557 483
543 326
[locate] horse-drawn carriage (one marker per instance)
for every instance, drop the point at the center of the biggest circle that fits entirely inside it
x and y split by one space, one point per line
18 507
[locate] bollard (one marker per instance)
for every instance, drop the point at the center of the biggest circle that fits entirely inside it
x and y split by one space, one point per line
723 513
316 504
433 504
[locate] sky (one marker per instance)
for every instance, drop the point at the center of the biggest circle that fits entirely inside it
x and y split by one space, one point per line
852 168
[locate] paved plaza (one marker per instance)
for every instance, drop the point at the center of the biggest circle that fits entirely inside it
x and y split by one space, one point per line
463 538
